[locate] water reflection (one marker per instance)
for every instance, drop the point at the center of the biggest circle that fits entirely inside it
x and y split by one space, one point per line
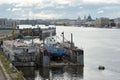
29 72
61 73
54 73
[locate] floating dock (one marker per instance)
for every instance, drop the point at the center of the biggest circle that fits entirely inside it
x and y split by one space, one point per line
54 53
75 57
49 53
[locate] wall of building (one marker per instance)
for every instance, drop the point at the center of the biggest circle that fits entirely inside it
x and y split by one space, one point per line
7 22
102 22
117 22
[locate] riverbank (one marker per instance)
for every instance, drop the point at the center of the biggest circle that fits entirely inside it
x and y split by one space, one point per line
4 73
8 71
2 76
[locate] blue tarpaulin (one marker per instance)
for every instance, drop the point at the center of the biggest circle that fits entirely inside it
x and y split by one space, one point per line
55 51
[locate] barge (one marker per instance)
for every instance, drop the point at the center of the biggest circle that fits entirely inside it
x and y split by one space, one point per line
41 33
19 53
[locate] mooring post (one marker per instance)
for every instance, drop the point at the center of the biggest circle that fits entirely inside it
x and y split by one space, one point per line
80 57
32 36
71 40
40 33
46 58
63 36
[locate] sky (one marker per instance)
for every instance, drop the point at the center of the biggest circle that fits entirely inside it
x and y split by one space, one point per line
59 9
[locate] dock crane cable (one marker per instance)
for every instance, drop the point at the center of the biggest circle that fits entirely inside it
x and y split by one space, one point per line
61 41
13 30
61 36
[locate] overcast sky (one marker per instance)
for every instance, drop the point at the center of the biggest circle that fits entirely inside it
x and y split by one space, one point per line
58 9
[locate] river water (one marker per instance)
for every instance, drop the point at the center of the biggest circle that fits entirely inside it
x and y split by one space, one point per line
101 47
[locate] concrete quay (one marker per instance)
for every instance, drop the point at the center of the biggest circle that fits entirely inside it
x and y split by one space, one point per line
2 77
3 73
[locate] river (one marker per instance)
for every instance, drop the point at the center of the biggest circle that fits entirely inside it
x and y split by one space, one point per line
101 47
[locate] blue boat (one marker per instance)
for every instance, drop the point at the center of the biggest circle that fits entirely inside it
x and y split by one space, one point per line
53 47
54 50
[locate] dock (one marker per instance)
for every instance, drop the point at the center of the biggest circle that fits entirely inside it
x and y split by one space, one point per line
48 53
46 60
59 54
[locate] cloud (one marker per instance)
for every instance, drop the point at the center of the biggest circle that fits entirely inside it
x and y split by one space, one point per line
2 2
44 15
110 7
102 1
56 3
111 15
9 9
14 9
57 8
67 2
81 7
100 12
25 3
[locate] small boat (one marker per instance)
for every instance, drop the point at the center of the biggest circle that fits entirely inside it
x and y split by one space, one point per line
101 67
